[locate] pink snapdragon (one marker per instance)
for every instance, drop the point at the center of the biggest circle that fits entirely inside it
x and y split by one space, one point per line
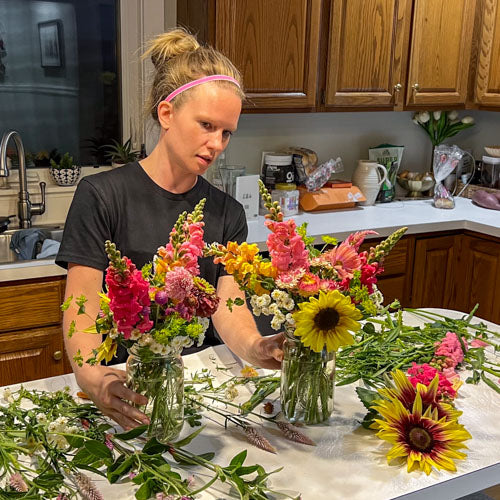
424 374
129 298
449 351
286 247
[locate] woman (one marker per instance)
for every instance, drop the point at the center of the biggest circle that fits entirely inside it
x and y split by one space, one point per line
196 99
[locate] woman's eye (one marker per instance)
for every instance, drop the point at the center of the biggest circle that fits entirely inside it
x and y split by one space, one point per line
227 134
206 125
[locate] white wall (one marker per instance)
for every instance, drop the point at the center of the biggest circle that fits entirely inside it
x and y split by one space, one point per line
349 135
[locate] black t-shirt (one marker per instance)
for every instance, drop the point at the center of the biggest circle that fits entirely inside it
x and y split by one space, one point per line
127 207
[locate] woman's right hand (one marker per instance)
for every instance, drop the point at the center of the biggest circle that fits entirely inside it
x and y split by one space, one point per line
105 386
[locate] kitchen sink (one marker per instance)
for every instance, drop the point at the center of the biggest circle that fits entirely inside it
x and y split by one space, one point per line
7 256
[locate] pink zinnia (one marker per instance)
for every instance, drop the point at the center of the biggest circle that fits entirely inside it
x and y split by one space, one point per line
309 283
424 374
178 283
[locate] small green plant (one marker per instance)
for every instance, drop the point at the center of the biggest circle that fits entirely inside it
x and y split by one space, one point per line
121 153
66 162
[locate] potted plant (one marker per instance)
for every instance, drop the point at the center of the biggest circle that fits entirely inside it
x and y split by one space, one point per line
120 154
42 158
64 172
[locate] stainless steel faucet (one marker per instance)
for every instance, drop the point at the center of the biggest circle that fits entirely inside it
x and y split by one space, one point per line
25 209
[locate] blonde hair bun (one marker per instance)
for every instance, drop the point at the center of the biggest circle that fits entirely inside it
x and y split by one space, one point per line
170 44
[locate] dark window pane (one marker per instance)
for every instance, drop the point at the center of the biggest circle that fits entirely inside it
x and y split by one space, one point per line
59 84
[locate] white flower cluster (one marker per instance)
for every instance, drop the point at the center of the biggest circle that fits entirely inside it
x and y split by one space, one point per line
283 303
424 116
7 395
231 392
59 425
377 298
147 340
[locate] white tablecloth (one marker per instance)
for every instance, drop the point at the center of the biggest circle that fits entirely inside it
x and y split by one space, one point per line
348 462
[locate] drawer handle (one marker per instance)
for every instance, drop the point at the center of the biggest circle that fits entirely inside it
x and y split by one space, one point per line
57 355
415 87
398 87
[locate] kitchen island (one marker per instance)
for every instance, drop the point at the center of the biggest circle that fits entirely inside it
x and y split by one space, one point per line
348 461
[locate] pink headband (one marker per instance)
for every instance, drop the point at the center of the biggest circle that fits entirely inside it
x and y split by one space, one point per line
199 81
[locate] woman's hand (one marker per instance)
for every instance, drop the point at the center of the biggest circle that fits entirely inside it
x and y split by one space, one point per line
267 352
105 386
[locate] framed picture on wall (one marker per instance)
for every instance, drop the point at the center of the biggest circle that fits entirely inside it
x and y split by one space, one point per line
50 44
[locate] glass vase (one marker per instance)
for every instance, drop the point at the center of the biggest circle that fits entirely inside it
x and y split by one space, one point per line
161 379
307 382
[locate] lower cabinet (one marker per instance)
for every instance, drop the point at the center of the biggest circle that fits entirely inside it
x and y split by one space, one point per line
31 334
457 272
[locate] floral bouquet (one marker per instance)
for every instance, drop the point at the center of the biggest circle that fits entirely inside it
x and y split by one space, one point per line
439 125
154 313
316 296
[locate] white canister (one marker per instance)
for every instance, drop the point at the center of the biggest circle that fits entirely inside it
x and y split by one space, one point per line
287 195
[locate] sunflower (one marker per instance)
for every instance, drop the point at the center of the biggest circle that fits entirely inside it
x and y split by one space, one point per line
406 393
422 438
326 320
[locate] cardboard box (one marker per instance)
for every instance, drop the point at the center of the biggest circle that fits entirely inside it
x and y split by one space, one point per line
329 198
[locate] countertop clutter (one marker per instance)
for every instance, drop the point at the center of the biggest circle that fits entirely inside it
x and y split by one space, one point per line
352 458
419 215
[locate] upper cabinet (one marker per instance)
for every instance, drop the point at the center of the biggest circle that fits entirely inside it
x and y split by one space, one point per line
487 88
440 52
366 57
314 55
274 43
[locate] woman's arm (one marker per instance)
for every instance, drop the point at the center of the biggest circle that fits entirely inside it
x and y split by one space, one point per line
239 331
103 384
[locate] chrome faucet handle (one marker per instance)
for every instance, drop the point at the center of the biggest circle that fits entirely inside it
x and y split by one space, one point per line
39 208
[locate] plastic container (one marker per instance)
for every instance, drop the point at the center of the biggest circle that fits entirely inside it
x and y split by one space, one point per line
287 195
490 175
278 168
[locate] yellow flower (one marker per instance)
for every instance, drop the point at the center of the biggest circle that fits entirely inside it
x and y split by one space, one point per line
326 321
106 350
423 439
406 394
249 372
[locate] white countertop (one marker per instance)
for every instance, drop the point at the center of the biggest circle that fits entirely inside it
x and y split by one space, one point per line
419 215
348 461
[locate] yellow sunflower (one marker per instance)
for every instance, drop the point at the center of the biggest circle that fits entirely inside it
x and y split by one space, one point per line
422 438
326 321
406 393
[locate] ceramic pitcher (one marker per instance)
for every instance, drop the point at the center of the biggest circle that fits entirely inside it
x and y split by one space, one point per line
368 177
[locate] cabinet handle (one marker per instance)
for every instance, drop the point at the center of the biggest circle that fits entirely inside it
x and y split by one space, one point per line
57 355
415 87
398 87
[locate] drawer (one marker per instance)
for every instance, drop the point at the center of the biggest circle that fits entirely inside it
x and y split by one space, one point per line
30 305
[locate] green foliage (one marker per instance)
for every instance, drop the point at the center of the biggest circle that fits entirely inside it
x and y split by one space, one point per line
66 162
121 153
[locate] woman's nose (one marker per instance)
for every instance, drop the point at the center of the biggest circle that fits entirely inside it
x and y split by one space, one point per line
216 142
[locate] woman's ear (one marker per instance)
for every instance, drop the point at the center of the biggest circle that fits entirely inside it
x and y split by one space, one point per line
165 110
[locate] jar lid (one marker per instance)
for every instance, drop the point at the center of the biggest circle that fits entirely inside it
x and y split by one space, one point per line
491 160
286 186
278 159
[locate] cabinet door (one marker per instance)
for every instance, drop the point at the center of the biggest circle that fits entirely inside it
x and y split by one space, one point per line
31 355
434 273
275 45
367 52
441 43
488 70
479 266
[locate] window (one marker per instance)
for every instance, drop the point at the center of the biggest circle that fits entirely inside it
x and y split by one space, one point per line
59 78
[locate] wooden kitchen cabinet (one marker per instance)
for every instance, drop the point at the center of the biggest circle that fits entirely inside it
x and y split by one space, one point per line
31 334
434 270
487 85
367 52
440 52
275 44
478 277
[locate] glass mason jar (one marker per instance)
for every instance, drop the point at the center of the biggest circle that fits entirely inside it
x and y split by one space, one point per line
161 379
307 382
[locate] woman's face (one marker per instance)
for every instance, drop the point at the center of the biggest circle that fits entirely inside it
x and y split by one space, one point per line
200 129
